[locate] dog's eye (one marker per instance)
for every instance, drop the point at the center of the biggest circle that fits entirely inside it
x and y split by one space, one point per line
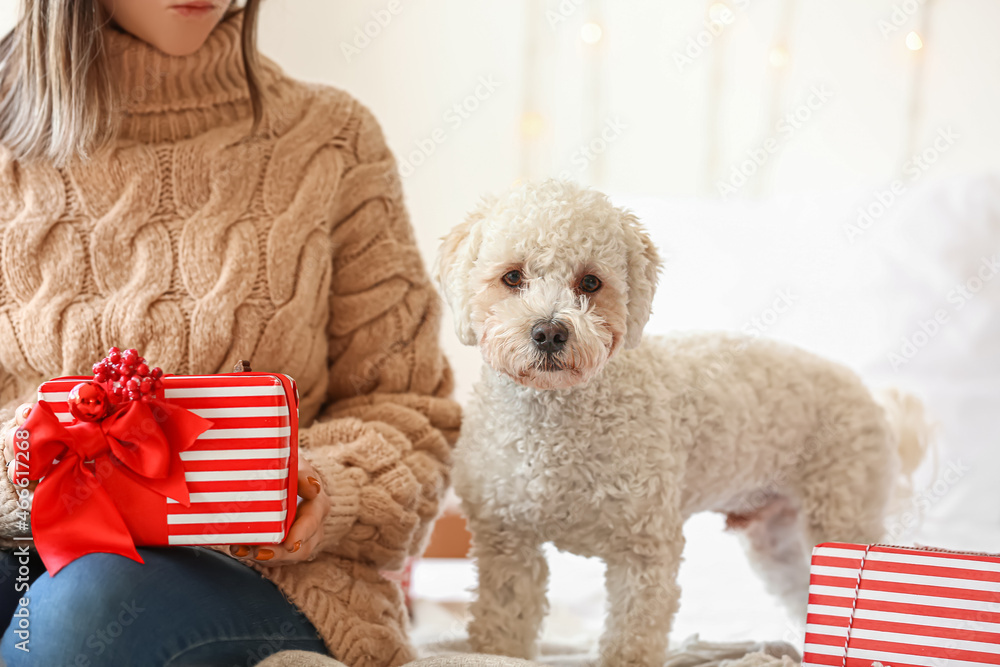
512 278
590 283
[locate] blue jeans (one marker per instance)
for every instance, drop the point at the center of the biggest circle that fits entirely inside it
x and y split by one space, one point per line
185 606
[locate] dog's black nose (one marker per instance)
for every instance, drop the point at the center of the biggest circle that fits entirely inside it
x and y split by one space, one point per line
549 336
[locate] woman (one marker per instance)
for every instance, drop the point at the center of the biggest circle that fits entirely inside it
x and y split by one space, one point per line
164 188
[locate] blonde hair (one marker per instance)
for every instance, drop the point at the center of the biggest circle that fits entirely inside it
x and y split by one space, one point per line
57 99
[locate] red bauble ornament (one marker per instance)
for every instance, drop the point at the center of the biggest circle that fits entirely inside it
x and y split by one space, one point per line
88 402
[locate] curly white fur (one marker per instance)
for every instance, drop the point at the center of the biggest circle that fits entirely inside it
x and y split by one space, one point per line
605 446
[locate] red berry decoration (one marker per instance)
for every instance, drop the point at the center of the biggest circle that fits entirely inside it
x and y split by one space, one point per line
126 376
88 401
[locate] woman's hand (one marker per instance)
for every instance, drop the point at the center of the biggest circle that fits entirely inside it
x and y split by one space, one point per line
306 534
7 436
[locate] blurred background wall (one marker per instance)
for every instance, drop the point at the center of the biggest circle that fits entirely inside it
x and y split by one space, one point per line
720 99
845 155
727 99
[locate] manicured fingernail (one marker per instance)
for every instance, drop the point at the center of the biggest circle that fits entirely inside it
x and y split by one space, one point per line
264 554
240 550
295 547
25 411
315 483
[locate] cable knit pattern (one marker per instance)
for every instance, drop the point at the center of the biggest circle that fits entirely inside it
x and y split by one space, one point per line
200 247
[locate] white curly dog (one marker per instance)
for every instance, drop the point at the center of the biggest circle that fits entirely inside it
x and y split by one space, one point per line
585 434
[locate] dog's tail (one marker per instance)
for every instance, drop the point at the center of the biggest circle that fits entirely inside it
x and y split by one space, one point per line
914 437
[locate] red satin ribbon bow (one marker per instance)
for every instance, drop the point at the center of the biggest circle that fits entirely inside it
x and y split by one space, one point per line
131 456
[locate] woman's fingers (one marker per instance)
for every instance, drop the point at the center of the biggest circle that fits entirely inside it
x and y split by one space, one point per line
306 534
302 542
20 414
277 554
309 484
309 519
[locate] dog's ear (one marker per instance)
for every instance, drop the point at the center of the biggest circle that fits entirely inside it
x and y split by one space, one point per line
455 262
643 270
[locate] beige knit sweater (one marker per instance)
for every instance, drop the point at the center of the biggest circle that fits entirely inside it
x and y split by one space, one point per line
293 251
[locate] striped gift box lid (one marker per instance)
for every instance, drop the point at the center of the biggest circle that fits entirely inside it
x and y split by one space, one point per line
902 607
238 472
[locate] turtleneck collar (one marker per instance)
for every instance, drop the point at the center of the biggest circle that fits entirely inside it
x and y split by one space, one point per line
169 98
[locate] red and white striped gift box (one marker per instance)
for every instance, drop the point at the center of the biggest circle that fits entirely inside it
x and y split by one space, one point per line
241 473
902 607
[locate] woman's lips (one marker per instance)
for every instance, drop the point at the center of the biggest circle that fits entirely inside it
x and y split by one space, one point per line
194 9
